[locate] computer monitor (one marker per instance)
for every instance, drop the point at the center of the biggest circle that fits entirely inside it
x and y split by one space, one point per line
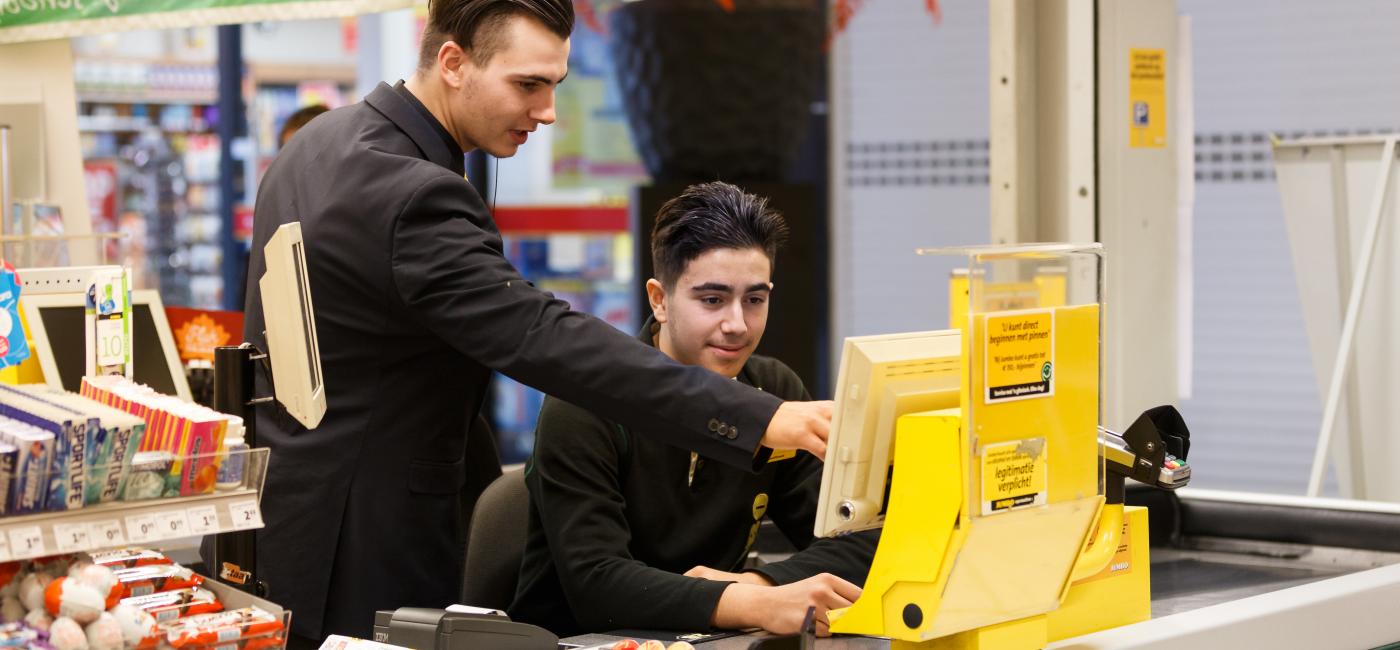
292 348
881 378
56 322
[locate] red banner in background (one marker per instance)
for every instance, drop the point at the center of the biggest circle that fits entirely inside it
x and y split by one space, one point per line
243 223
100 177
198 331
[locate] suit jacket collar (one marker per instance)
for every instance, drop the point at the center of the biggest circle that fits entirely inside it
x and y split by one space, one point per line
431 138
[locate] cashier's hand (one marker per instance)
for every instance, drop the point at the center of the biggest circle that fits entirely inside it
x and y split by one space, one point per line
800 425
780 610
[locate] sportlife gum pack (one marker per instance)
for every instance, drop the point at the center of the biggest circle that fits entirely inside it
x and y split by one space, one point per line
112 438
96 444
66 481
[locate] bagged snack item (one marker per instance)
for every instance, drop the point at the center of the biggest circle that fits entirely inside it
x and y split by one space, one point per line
262 642
142 580
127 558
223 627
179 603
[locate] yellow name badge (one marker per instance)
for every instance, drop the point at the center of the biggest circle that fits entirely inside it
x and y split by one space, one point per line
1013 475
782 454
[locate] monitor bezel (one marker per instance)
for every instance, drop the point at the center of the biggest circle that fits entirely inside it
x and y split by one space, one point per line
834 470
41 346
290 318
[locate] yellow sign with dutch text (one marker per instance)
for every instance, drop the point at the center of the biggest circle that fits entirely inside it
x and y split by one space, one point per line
1013 475
1020 355
1147 98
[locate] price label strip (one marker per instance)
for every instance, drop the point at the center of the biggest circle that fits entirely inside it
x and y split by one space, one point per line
140 528
4 549
108 315
71 538
27 542
108 533
204 520
111 341
172 524
245 514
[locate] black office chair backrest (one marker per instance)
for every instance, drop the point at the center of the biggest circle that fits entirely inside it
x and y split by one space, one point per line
496 542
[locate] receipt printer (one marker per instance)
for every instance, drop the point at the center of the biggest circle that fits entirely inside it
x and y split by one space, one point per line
440 629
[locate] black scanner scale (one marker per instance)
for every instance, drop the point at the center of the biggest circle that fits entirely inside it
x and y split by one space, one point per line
436 629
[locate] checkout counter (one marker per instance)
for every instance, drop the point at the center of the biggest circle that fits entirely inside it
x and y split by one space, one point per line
1233 570
1006 526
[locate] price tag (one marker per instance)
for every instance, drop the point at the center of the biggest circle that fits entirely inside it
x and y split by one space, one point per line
108 533
71 538
140 528
203 520
245 514
172 524
111 341
27 541
4 549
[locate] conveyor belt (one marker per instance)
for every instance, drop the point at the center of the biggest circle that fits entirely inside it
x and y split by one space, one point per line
1212 552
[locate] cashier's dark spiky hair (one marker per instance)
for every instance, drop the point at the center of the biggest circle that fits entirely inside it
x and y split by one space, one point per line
709 216
478 25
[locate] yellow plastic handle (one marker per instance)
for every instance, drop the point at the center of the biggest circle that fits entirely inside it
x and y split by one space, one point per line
1102 545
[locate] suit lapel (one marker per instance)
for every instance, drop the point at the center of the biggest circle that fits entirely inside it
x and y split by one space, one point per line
397 109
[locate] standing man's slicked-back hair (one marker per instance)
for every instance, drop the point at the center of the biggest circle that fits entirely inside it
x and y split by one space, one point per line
709 216
476 25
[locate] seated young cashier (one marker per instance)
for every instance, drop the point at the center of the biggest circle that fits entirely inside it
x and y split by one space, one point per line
628 533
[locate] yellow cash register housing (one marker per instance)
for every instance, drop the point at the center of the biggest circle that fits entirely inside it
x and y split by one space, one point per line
978 450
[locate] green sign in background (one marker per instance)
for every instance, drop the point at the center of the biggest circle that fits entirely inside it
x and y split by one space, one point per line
29 20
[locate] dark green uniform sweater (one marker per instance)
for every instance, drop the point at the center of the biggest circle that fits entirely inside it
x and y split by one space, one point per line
615 519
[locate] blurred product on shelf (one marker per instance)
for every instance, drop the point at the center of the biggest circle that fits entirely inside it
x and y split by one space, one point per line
589 269
191 433
116 80
120 441
151 167
77 601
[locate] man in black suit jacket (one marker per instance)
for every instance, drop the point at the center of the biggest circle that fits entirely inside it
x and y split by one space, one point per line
415 305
